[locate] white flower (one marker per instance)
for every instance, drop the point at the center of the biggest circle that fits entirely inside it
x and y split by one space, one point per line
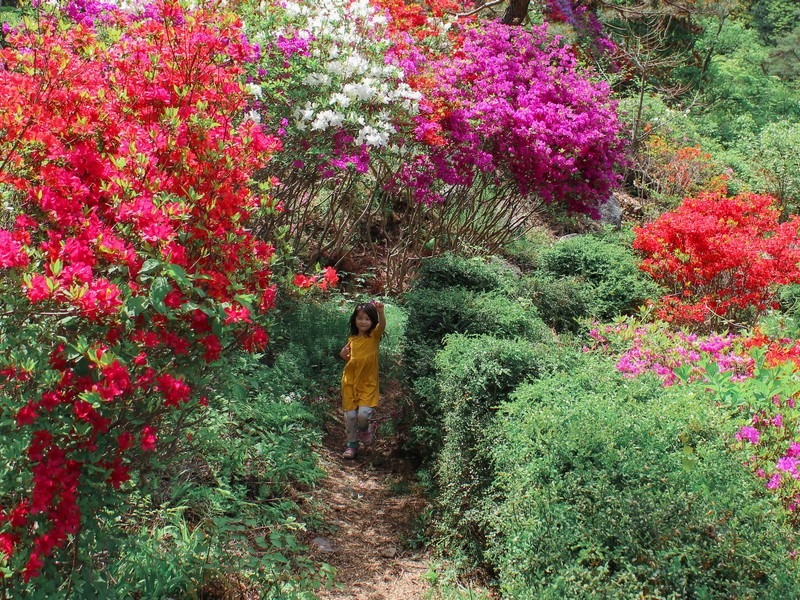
254 90
253 116
325 119
372 137
340 99
317 79
363 91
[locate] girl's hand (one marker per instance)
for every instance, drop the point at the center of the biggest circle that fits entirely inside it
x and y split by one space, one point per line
378 304
345 353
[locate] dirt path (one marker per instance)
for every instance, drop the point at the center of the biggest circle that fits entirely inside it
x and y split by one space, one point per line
368 507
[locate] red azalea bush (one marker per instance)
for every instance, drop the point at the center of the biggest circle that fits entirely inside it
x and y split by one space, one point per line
721 257
126 268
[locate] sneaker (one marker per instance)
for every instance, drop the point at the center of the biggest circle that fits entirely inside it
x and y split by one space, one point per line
368 436
350 453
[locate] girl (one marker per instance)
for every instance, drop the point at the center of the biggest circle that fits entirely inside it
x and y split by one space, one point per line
360 389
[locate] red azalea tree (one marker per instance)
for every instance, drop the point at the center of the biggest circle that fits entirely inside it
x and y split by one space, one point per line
126 265
720 257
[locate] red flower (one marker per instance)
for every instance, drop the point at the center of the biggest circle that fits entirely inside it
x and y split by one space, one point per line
148 438
331 276
302 281
119 474
38 289
33 568
173 389
237 314
125 441
19 514
26 415
11 252
257 340
6 544
213 348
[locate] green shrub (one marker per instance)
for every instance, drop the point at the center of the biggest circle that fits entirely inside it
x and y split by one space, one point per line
452 270
789 298
305 343
614 488
609 272
524 251
562 301
434 313
474 377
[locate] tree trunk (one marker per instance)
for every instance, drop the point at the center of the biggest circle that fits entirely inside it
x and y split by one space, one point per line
516 12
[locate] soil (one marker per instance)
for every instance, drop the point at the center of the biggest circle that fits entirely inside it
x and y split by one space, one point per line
369 506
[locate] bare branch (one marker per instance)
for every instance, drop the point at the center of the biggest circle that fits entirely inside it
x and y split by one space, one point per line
476 10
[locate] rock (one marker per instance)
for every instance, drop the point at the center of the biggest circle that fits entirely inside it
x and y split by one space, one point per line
611 212
323 545
389 552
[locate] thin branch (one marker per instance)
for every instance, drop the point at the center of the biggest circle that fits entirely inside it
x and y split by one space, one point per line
476 10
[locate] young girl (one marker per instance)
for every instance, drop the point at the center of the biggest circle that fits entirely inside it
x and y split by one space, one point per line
360 389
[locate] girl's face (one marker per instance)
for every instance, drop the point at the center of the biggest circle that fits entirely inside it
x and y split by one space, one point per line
363 322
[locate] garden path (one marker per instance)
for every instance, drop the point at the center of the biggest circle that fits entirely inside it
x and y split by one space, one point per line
368 508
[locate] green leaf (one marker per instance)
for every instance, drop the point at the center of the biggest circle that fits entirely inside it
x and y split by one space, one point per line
151 265
178 274
158 291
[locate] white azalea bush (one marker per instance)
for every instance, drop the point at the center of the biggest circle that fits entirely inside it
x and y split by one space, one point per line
344 112
324 77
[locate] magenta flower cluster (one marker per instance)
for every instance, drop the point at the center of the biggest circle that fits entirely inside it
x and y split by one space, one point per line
657 349
523 112
771 435
87 11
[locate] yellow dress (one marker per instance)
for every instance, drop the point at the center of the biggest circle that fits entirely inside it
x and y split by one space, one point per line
360 378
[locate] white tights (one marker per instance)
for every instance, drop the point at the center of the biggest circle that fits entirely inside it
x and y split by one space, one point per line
355 421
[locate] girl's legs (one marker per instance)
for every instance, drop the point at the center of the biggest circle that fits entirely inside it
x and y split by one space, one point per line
350 423
355 422
364 417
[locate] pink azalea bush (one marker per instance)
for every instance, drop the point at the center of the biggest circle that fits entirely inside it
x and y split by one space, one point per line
656 347
750 374
518 107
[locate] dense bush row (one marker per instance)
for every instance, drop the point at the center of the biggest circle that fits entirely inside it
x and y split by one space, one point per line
558 475
614 488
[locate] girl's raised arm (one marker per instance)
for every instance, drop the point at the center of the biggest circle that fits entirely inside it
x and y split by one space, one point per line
381 315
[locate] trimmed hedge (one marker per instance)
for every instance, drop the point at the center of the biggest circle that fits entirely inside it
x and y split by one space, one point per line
476 274
437 309
602 281
612 488
475 375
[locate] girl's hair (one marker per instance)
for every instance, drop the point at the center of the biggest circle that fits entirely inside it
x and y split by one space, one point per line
370 310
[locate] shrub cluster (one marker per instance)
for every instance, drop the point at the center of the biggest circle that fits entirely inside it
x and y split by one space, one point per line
588 276
616 488
475 375
562 477
457 295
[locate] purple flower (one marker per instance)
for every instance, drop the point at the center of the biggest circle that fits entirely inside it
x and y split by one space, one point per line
748 433
787 464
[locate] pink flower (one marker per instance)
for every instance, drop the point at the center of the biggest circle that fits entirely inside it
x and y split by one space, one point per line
748 433
11 252
787 464
38 289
